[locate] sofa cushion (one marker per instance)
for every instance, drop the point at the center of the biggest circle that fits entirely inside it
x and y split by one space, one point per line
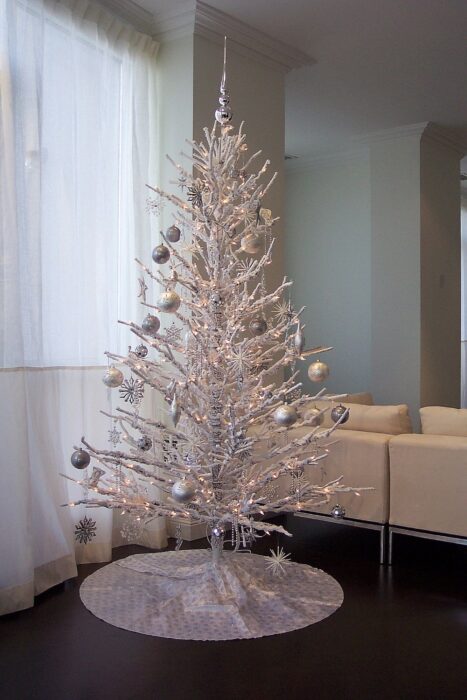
441 420
391 420
364 397
362 459
428 482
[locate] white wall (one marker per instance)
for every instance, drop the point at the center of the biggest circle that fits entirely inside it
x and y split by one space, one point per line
374 249
328 255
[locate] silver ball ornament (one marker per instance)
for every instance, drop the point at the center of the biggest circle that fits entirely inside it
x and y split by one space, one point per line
141 350
150 324
183 491
338 511
251 243
173 234
285 415
112 377
144 443
318 371
224 114
314 417
258 326
337 413
80 459
160 254
217 531
169 302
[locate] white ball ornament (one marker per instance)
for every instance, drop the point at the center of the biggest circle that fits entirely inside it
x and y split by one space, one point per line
285 415
318 371
183 491
169 302
112 377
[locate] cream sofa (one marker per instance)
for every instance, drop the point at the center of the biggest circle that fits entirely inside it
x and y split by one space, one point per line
360 453
428 484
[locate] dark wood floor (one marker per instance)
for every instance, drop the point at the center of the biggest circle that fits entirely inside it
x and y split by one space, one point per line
400 634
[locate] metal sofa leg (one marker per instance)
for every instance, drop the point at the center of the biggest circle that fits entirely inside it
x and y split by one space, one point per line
382 545
391 534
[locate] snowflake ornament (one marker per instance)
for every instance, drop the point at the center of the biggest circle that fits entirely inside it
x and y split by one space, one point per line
132 390
283 311
195 197
278 559
114 436
85 530
173 334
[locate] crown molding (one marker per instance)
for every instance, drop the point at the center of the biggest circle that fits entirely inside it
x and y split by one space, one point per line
194 17
426 131
328 158
131 13
445 137
397 132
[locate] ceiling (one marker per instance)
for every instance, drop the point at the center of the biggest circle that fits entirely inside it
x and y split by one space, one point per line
379 64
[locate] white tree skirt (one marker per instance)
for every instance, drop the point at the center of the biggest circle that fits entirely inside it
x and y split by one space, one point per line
182 595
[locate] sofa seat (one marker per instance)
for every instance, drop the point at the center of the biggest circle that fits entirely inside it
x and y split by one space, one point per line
362 459
428 489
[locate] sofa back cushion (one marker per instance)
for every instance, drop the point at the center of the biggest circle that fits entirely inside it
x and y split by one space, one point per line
391 420
441 420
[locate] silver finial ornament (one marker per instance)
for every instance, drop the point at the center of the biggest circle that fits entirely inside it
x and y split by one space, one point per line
224 113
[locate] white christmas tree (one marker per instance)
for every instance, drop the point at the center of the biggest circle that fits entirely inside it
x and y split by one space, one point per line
226 369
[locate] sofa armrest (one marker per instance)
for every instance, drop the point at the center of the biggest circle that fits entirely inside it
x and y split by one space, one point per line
428 483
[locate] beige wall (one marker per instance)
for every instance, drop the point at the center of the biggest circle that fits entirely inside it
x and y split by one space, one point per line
257 98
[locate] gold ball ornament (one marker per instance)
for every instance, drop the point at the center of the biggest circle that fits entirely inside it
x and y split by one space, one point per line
169 302
251 243
112 377
318 371
314 417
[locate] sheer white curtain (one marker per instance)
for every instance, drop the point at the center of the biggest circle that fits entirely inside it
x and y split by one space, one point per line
77 136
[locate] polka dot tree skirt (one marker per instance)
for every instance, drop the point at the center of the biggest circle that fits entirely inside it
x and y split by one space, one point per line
183 595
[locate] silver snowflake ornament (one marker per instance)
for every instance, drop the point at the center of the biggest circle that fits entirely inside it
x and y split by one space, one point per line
271 492
278 559
173 334
85 530
283 311
132 390
114 436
